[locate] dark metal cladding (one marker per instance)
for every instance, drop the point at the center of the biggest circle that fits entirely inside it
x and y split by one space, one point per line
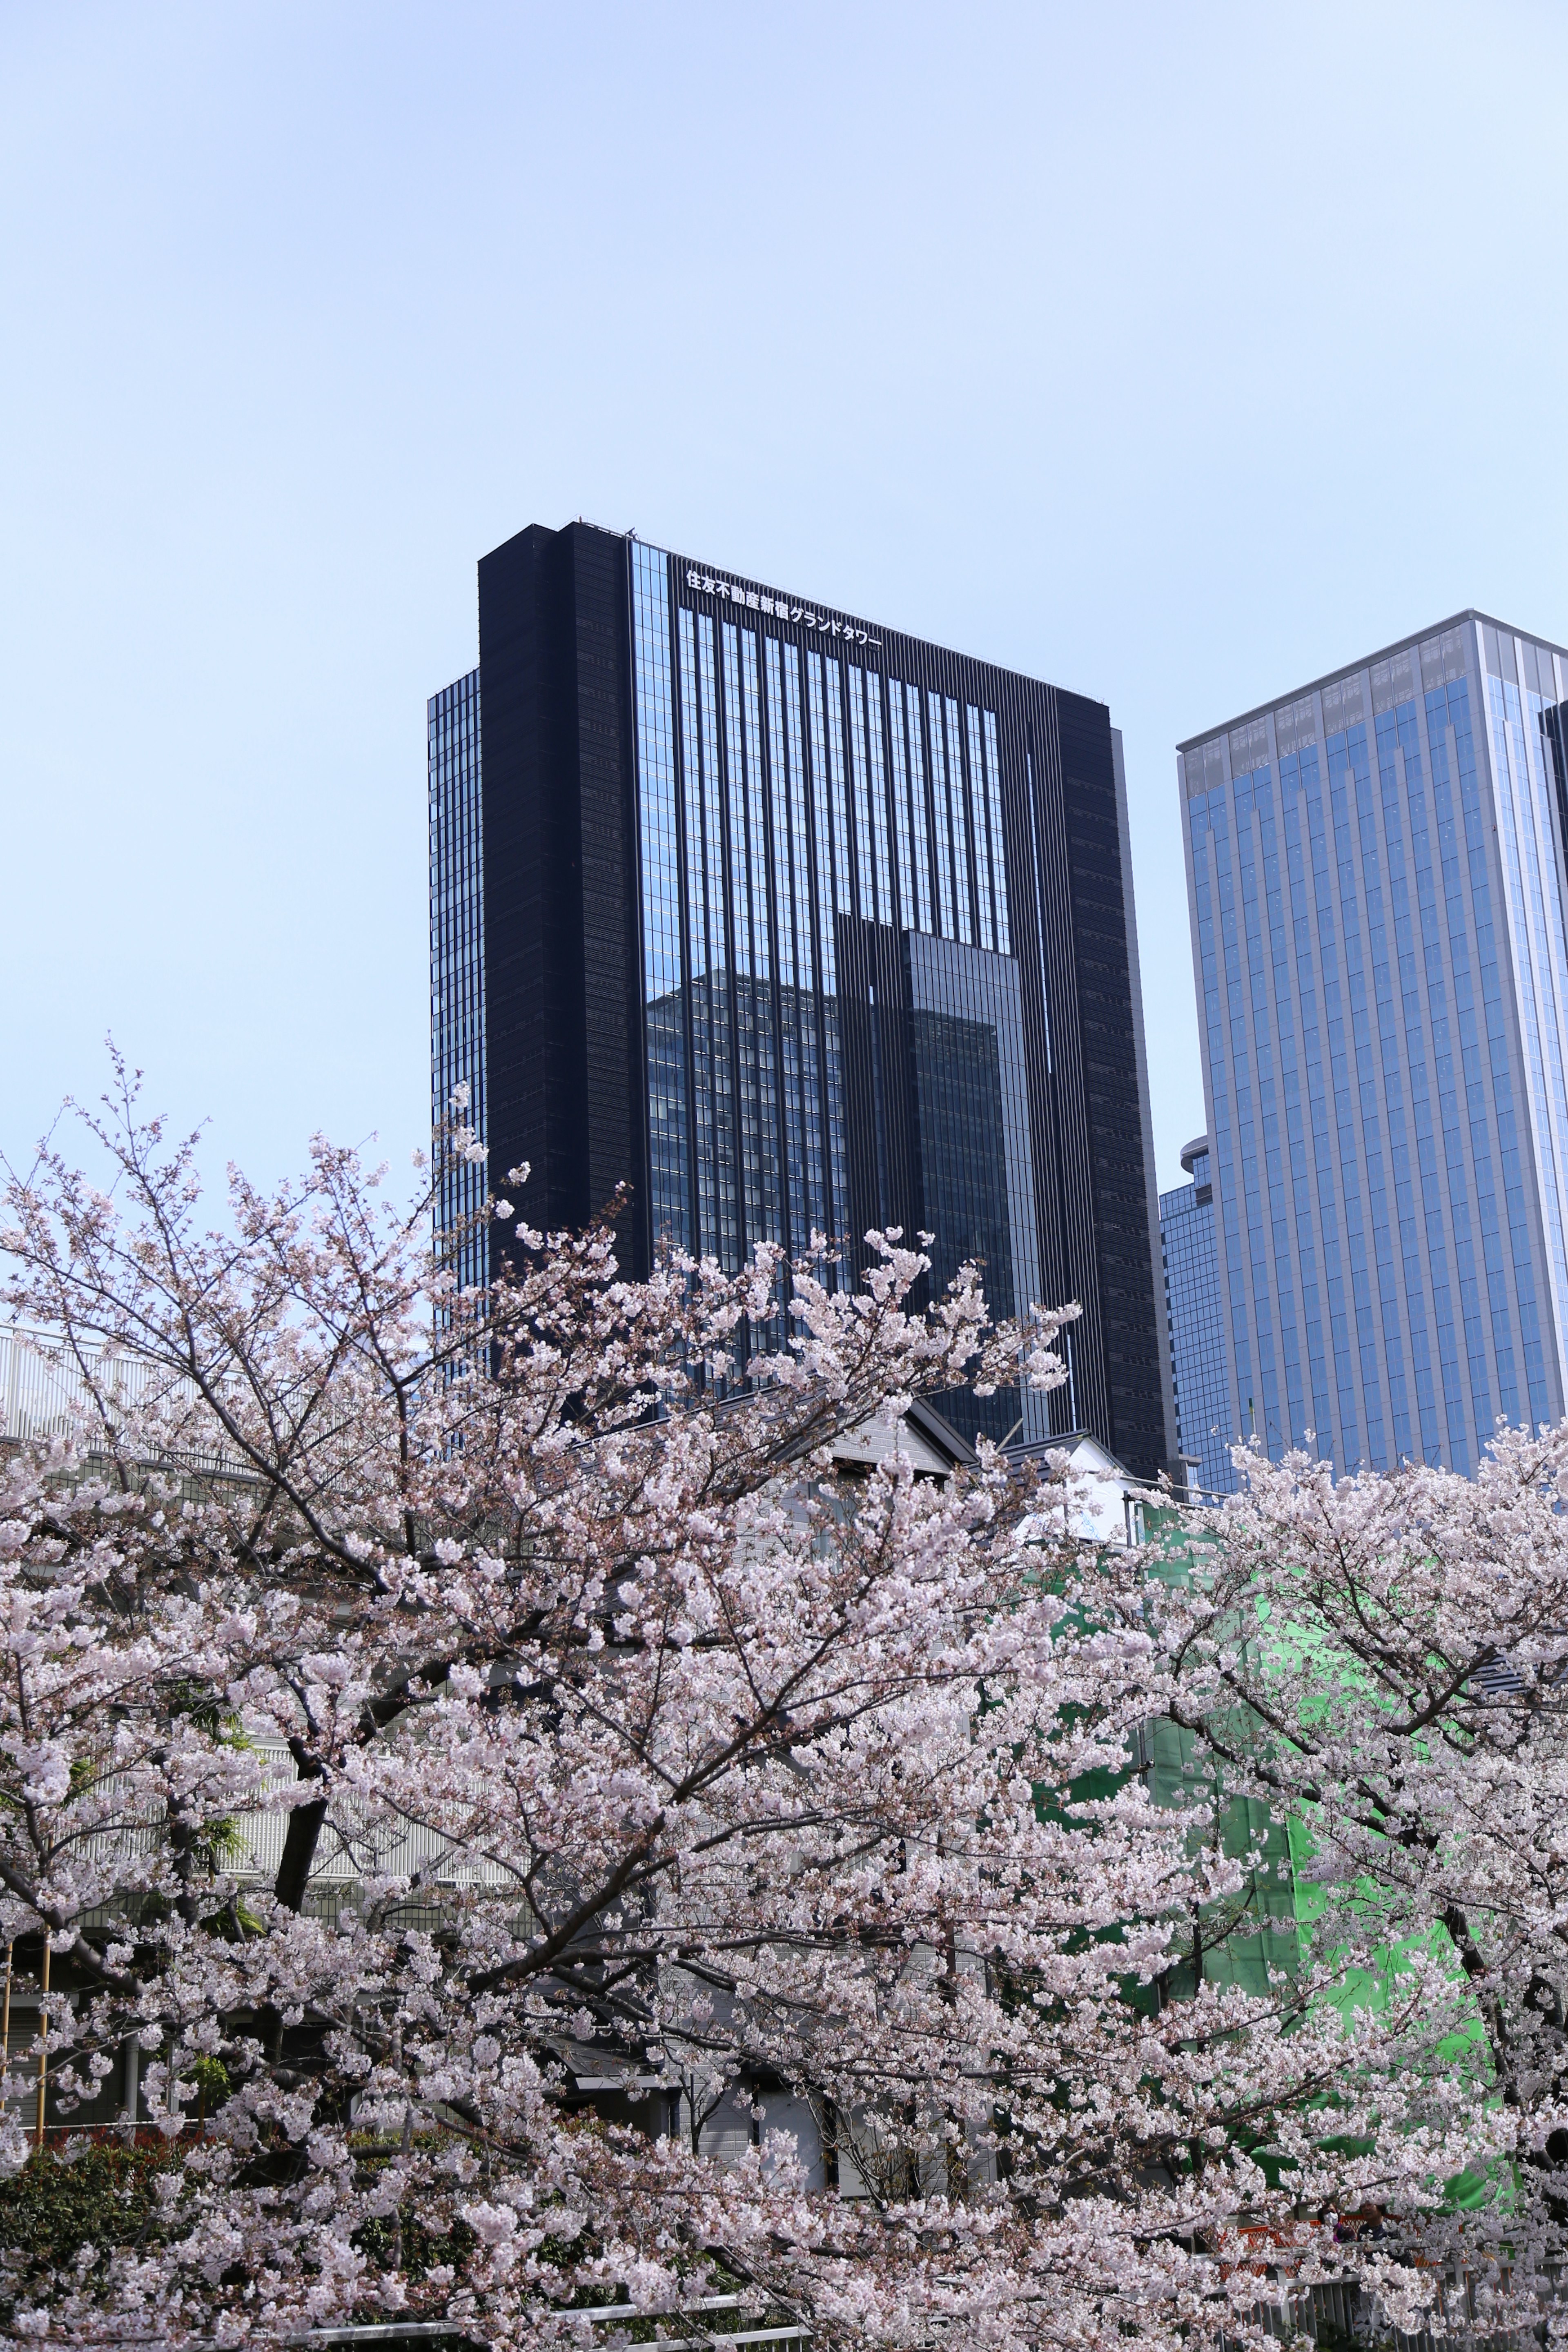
560 870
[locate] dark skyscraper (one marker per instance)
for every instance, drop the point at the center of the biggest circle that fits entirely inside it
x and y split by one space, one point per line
798 925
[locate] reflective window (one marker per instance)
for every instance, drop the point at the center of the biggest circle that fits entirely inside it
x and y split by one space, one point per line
727 1245
664 1010
879 790
811 1213
860 790
842 870
782 786
976 801
703 904
1194 1327
749 901
832 890
908 904
998 846
458 967
960 834
940 810
790 997
1533 905
976 1165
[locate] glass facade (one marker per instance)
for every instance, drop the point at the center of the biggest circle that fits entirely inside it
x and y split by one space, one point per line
1376 875
782 790
972 1115
1195 1324
787 927
457 959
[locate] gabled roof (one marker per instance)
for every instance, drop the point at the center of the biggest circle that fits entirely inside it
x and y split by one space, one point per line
930 1442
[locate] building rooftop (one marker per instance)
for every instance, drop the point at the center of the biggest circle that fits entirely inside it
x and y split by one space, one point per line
1365 661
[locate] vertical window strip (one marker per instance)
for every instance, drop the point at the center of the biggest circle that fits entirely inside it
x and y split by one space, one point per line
814 1211
663 1016
885 909
456 966
939 805
831 868
795 1215
862 794
744 998
824 820
835 776
960 838
917 811
735 774
748 919
446 814
656 778
998 846
756 806
769 1226
701 979
799 831
976 801
1039 910
901 803
696 862
778 801
722 984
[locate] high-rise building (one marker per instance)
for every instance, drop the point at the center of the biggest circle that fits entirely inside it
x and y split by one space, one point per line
1195 1324
1376 878
457 952
797 925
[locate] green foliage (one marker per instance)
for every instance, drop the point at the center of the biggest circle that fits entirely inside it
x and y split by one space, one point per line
211 2077
104 2197
422 2246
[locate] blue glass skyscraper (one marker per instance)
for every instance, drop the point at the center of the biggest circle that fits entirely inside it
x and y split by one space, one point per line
1376 877
1195 1324
457 957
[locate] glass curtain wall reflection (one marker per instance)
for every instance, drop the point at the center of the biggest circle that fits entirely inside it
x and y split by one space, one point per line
1377 876
976 1170
780 790
768 909
1195 1323
456 964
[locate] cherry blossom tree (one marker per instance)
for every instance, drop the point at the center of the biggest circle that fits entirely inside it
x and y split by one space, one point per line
606 1727
1384 1660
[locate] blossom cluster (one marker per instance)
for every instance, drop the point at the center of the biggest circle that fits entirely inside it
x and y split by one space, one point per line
532 1698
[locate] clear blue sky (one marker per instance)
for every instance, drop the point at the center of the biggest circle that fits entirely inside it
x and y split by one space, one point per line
1174 354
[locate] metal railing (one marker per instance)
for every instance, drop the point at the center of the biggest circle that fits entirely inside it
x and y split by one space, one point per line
430 2335
44 1394
49 1390
1337 2313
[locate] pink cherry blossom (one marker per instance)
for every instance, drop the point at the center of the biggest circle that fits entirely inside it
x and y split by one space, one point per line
415 1705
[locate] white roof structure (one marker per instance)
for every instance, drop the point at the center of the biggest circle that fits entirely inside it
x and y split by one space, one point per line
1109 1500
